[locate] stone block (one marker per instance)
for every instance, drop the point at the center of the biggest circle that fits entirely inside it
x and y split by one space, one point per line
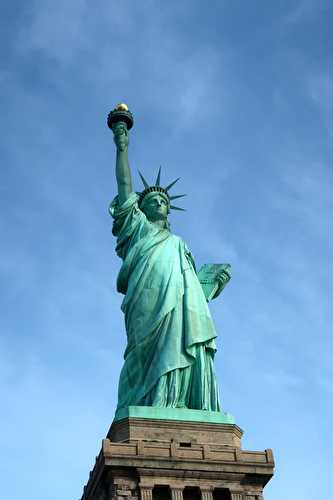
138 429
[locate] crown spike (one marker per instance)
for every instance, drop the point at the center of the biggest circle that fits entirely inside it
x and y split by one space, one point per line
177 196
177 208
145 183
172 184
158 178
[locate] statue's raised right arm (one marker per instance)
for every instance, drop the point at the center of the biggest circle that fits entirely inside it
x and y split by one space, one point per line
123 171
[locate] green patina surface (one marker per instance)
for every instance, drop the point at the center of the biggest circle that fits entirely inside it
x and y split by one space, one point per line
184 414
170 332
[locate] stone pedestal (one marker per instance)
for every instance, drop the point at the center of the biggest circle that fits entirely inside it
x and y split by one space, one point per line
167 459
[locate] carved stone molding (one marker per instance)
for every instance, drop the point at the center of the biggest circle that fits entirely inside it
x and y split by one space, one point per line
206 494
146 493
236 496
176 493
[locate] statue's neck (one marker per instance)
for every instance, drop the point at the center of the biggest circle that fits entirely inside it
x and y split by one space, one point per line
161 224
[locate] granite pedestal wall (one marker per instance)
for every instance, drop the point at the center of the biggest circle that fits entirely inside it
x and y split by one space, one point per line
168 459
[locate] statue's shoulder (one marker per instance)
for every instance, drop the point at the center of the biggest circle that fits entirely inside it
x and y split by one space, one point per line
116 209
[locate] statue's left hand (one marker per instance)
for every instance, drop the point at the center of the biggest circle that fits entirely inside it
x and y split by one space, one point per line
222 279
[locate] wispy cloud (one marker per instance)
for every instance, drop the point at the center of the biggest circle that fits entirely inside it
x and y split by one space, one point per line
56 29
238 104
305 10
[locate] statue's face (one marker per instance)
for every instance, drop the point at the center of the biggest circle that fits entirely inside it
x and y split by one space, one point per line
155 206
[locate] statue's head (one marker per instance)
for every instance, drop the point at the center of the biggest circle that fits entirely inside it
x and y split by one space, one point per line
156 206
155 201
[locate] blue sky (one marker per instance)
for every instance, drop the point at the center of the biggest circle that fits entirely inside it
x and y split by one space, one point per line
235 97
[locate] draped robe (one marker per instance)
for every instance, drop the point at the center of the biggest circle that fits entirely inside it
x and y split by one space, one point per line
170 332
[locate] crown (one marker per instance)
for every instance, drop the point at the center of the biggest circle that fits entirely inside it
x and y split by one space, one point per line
157 188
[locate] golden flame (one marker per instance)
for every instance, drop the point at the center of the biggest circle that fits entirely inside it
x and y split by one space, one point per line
121 107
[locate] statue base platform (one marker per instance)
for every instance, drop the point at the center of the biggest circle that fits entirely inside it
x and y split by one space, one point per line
170 458
182 414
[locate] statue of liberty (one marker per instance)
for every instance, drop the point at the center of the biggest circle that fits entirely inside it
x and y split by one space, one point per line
170 332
